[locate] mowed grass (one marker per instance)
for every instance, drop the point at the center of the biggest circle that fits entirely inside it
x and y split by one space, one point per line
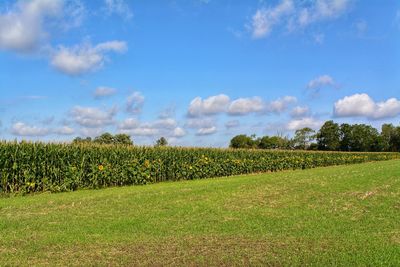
343 215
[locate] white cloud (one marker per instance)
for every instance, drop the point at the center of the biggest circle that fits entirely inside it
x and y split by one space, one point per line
166 127
92 132
144 131
244 106
134 103
266 18
179 132
207 131
166 123
209 106
232 124
119 7
73 15
21 28
24 27
103 91
84 58
91 117
302 123
296 14
23 129
238 107
321 81
281 104
299 111
362 105
318 11
128 124
65 130
197 123
167 112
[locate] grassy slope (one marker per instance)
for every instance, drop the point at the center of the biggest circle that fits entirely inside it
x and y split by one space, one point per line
344 215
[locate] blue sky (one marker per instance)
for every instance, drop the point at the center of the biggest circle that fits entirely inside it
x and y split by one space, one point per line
196 71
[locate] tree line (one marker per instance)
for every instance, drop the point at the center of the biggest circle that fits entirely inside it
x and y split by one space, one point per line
118 139
330 137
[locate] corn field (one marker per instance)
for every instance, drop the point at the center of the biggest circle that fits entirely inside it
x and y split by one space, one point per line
37 167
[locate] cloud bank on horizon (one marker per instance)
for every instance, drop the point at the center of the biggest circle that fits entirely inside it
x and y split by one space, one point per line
198 74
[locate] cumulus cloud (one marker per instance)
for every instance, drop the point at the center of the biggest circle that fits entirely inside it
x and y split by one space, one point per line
281 104
207 131
295 14
232 124
302 123
103 91
167 112
167 123
179 132
128 124
25 26
209 106
92 132
84 58
266 18
65 130
238 107
91 117
21 28
299 111
143 131
166 127
197 123
23 129
204 126
134 103
320 82
362 105
244 106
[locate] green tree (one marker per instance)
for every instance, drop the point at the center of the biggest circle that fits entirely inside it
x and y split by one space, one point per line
280 142
105 138
387 133
161 142
365 138
395 141
346 137
122 139
328 137
303 138
265 143
243 141
79 140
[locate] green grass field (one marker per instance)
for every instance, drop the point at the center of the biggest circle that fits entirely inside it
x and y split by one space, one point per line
343 215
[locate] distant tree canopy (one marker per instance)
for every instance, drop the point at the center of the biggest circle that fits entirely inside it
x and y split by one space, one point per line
161 142
106 138
243 141
331 136
303 138
266 142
